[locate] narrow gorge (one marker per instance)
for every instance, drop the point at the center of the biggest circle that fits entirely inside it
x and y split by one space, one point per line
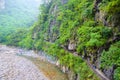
83 37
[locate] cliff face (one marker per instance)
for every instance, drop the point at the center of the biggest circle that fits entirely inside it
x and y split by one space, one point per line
107 17
68 29
2 4
83 35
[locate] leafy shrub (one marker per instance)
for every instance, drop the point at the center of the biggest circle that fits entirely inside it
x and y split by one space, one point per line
117 74
111 57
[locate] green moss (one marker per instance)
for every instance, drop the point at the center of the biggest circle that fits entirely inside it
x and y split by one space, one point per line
112 57
117 74
112 7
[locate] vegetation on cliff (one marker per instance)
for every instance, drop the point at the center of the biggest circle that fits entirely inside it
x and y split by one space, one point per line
85 25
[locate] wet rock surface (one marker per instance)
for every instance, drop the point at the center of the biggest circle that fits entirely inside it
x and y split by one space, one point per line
13 67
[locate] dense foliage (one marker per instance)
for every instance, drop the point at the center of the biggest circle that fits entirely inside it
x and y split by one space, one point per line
61 23
74 22
17 14
112 58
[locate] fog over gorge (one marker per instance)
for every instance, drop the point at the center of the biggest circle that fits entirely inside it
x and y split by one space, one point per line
17 14
2 4
59 39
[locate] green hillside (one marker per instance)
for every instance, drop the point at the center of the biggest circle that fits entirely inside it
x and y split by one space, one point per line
83 35
17 14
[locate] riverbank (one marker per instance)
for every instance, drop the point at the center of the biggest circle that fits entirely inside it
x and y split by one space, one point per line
13 67
26 65
50 70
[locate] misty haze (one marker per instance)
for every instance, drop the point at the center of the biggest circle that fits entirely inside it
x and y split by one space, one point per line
59 39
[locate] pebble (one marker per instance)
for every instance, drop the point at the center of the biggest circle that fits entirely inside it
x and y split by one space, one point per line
13 67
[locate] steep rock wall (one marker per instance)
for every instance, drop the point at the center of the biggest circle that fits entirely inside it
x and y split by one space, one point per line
84 28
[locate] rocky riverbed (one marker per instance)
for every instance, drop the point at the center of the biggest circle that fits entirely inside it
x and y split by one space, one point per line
13 67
